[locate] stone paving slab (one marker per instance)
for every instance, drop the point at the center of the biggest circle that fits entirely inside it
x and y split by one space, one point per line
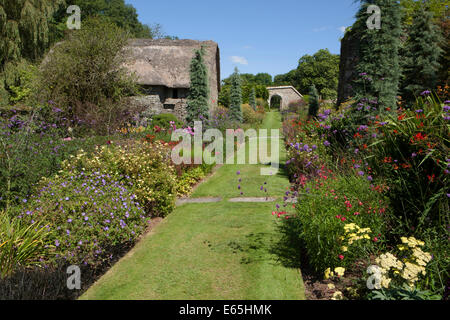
182 201
256 200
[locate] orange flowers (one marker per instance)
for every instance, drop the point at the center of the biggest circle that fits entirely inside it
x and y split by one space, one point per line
418 137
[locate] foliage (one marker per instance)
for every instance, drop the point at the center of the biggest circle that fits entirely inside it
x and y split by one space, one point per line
98 79
164 121
251 116
20 81
21 244
313 102
320 69
236 96
258 82
90 216
33 145
379 54
24 29
147 166
198 106
410 7
421 56
341 220
252 99
189 178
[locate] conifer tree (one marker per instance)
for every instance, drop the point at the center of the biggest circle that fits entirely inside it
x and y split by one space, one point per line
198 107
313 101
422 54
252 98
378 64
236 96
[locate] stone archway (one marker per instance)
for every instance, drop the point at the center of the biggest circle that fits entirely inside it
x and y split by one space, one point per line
288 95
275 101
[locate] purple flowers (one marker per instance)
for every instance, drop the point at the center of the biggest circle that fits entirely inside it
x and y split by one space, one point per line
326 143
425 93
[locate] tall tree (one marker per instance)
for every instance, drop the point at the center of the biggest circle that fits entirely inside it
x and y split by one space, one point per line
320 69
236 96
313 102
198 107
252 98
378 62
24 28
422 55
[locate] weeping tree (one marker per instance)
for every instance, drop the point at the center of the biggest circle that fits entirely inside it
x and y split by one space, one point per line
422 53
197 106
378 63
25 34
252 98
25 28
313 102
236 96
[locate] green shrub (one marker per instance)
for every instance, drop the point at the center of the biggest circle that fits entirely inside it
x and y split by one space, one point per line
189 179
342 220
251 116
163 120
147 166
98 78
21 244
33 145
411 152
92 216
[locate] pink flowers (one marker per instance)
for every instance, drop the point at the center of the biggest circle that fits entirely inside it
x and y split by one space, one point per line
341 257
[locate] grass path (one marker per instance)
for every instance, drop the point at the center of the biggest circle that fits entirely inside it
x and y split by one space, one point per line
218 251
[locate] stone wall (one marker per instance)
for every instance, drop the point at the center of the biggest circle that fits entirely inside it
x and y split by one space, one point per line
152 105
288 95
347 66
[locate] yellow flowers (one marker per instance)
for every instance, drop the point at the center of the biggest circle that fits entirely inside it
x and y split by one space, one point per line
412 242
355 233
328 274
337 296
410 268
339 271
131 129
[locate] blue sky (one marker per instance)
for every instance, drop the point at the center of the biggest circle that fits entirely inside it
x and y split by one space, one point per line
256 36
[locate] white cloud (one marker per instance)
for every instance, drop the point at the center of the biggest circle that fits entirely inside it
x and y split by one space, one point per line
239 60
342 29
247 47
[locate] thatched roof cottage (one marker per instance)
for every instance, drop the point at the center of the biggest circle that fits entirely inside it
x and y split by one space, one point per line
162 67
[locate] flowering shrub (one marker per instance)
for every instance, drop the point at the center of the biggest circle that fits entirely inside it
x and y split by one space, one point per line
251 116
31 147
146 166
392 273
341 220
403 155
90 216
188 179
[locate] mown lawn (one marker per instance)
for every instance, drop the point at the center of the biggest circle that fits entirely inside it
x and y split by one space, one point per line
213 250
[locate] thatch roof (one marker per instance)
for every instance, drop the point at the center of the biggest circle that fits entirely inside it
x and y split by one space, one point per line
166 62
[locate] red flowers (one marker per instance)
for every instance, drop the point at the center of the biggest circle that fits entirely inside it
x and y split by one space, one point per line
341 257
418 137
